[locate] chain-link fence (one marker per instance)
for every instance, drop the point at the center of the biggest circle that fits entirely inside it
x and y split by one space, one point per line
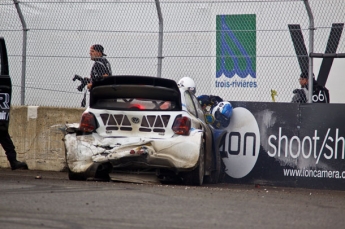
239 50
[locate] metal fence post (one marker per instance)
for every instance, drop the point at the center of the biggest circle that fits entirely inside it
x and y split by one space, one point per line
160 40
22 20
311 50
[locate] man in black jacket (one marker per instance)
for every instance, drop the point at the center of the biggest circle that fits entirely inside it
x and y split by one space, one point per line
101 68
5 105
320 93
5 139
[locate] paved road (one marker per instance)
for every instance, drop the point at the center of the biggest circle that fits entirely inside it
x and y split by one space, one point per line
55 202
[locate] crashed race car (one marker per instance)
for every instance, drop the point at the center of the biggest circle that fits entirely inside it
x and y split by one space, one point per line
140 124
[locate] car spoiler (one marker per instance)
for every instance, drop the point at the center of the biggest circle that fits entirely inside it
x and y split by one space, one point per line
135 87
137 80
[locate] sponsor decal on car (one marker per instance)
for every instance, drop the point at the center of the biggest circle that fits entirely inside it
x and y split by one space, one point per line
135 120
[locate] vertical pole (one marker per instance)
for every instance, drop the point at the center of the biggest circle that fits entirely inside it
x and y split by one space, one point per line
311 50
25 30
160 40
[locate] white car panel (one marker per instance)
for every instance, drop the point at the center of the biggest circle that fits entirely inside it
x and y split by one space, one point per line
134 132
181 151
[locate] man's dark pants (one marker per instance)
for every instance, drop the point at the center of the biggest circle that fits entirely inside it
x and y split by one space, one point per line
7 145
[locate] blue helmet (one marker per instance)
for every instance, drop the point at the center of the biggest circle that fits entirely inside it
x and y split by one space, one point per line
222 113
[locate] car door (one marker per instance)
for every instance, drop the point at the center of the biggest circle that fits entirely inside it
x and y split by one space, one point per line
194 107
200 112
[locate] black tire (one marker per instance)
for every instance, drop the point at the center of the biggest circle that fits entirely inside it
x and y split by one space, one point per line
76 176
99 172
217 175
213 178
102 173
222 172
196 176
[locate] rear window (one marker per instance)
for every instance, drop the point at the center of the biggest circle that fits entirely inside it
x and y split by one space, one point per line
135 97
135 104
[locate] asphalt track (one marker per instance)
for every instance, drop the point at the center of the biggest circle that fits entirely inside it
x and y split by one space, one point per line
38 199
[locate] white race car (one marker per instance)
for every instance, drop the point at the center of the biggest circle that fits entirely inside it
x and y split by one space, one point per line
140 123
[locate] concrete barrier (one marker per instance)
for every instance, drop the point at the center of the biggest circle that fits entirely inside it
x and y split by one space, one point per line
283 144
37 135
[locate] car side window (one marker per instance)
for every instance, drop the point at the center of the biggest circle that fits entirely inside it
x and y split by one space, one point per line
189 104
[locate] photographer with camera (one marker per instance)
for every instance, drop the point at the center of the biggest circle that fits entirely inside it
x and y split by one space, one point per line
320 93
100 69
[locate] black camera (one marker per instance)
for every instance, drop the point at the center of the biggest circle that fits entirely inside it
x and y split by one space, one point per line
83 82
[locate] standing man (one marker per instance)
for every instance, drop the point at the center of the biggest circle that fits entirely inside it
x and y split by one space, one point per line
320 93
5 104
101 68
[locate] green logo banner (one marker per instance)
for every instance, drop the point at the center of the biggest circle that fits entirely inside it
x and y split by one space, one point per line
236 45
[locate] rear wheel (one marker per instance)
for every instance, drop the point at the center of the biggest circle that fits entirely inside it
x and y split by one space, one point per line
76 176
102 173
196 177
221 152
217 173
213 178
99 172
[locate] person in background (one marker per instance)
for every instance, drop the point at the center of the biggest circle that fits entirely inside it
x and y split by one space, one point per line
5 106
187 83
320 93
101 68
216 111
220 110
209 101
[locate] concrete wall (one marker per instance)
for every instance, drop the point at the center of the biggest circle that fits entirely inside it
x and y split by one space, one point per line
38 137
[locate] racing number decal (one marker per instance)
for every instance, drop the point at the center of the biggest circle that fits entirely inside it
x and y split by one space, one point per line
4 101
320 97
